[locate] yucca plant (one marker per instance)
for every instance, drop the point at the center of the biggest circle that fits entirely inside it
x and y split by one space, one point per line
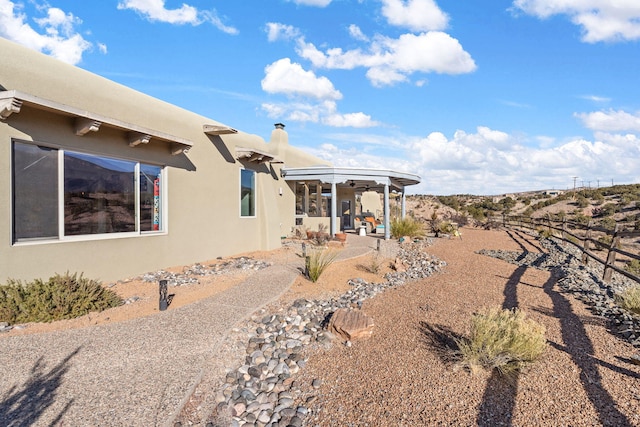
501 339
317 262
61 297
629 299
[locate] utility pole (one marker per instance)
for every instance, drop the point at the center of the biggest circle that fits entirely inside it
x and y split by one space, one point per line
574 187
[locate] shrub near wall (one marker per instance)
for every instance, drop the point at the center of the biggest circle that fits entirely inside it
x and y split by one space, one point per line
61 297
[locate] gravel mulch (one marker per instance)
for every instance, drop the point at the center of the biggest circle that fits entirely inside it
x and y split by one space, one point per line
400 377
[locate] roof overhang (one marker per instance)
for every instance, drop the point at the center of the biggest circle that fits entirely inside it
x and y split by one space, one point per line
218 130
12 101
357 178
255 156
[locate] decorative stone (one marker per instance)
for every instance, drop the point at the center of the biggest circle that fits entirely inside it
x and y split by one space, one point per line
351 324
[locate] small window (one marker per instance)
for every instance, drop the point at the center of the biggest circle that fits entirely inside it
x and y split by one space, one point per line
247 193
150 198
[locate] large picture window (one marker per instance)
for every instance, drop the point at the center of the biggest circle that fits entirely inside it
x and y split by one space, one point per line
247 192
98 195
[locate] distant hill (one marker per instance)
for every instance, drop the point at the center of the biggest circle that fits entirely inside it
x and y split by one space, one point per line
605 206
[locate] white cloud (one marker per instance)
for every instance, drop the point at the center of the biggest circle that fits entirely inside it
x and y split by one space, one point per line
324 112
416 15
391 60
356 120
317 3
356 33
601 20
490 161
277 31
596 98
611 120
285 77
155 10
59 40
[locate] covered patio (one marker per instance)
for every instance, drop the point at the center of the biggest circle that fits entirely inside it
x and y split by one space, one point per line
342 184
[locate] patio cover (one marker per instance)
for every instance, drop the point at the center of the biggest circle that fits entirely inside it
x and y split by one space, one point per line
357 179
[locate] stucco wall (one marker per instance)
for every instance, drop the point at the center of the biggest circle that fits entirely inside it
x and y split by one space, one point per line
203 186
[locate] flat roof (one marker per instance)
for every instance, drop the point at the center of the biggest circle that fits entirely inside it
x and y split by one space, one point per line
353 177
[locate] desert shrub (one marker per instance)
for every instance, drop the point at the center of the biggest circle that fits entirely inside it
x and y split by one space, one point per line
317 262
505 340
604 243
406 227
633 267
460 219
61 297
544 232
528 211
629 299
607 222
373 263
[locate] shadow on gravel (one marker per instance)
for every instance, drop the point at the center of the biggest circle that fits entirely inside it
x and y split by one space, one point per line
23 406
442 340
499 398
578 345
519 237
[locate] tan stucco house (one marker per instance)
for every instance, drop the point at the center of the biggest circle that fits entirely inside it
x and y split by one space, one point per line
98 178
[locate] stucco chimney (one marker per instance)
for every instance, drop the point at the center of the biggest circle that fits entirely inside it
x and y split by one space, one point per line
279 135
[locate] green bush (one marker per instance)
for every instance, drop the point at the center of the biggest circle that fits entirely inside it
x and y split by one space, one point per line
61 297
406 227
629 299
501 339
317 262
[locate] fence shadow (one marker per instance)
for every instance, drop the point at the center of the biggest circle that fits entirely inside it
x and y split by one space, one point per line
24 405
578 345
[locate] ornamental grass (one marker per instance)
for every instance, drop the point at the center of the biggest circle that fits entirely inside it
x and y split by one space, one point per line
406 227
505 340
629 299
317 262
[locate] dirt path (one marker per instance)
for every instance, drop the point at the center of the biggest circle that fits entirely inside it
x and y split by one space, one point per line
397 377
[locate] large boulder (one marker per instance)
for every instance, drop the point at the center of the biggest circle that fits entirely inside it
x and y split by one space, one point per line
350 324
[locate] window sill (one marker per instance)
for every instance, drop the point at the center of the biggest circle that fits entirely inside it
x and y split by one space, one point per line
87 238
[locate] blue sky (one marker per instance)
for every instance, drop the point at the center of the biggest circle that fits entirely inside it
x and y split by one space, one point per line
476 97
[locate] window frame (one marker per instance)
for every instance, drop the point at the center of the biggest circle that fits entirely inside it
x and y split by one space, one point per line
254 193
61 237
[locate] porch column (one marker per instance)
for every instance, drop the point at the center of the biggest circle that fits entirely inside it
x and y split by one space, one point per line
387 227
403 205
334 209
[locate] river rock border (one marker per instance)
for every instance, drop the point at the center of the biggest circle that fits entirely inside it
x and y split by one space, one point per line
584 282
263 392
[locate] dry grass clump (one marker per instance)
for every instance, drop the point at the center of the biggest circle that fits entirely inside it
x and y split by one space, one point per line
407 226
317 262
629 299
373 264
61 297
501 339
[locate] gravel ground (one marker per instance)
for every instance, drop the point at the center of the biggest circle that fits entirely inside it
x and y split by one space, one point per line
400 377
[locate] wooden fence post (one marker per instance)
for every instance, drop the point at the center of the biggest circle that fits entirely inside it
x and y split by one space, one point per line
564 228
611 256
587 244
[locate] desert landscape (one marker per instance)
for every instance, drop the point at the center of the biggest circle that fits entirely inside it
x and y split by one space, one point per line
404 372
